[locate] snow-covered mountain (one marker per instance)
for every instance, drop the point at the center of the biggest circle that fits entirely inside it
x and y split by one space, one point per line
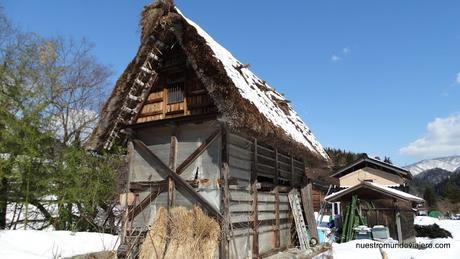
451 164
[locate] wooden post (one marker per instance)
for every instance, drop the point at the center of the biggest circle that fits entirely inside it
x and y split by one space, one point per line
277 173
130 160
277 203
292 172
225 193
398 222
172 166
308 209
255 221
277 218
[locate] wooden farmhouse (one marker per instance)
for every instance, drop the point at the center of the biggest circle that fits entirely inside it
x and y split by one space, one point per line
382 198
372 170
202 129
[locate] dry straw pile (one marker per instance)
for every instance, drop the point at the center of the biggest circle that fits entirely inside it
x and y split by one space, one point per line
184 234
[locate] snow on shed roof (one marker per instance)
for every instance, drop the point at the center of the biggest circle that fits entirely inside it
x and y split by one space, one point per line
377 187
265 100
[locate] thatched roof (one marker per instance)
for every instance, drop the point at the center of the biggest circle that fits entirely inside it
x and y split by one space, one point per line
244 101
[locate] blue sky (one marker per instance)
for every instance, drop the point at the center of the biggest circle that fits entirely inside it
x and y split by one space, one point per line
367 76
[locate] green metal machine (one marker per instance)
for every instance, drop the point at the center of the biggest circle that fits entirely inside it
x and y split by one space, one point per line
353 218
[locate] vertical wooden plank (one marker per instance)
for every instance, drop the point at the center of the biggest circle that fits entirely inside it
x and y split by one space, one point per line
276 179
277 202
172 166
307 203
292 172
225 193
255 221
398 221
184 102
277 218
130 160
165 99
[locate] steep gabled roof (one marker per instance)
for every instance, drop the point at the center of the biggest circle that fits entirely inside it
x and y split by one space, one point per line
366 161
244 101
373 187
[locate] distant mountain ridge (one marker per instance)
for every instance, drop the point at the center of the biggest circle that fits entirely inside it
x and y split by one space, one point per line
450 164
433 176
442 175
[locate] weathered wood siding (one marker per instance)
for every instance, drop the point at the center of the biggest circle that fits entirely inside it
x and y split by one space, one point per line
273 213
202 173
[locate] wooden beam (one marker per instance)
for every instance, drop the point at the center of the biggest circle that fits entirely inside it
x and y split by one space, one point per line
308 209
155 191
126 219
277 202
225 226
181 184
172 166
273 252
225 192
255 219
277 218
292 171
189 160
398 221
147 114
277 173
177 120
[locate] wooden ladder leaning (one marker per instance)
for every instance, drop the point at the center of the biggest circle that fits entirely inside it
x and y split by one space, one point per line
301 227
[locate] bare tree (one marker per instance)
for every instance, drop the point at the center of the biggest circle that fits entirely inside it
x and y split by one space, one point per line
61 81
6 30
75 88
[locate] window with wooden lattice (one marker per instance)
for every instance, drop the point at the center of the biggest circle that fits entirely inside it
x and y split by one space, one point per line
176 88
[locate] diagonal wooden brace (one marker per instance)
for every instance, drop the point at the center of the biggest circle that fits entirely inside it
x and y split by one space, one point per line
197 152
182 186
181 168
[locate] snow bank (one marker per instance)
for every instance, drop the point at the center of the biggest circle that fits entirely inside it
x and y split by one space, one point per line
52 244
425 220
349 251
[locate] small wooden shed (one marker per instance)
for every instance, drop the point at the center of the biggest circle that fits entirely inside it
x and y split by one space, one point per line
382 205
201 128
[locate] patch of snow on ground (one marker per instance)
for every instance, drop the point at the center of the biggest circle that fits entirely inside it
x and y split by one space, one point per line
349 251
36 244
425 220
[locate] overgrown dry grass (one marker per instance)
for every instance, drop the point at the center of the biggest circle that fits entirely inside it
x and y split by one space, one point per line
183 234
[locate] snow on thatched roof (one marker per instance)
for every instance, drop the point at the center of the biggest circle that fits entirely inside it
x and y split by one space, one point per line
243 100
265 98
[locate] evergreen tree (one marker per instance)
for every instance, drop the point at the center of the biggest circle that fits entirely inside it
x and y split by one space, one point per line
387 160
48 91
430 197
342 158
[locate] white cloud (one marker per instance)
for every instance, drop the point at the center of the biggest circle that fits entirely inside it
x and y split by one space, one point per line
345 52
441 139
457 80
335 58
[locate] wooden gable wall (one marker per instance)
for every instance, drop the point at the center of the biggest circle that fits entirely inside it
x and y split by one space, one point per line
176 79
